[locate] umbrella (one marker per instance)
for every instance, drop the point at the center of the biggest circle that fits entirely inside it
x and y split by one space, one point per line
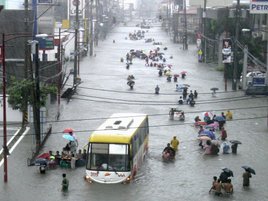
209 114
41 162
183 72
214 89
45 156
235 142
204 137
219 118
208 133
68 130
214 125
201 123
249 169
186 85
68 137
228 171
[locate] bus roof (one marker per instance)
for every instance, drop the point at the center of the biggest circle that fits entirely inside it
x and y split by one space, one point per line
118 128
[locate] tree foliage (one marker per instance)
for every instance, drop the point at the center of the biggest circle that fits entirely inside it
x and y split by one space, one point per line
21 93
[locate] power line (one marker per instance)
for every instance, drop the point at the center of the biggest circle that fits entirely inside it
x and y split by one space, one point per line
175 123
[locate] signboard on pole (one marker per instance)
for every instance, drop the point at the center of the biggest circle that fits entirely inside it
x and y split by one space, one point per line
258 7
45 1
46 43
72 7
226 50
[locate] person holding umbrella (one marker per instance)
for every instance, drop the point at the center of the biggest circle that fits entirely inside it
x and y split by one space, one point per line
225 174
73 142
247 175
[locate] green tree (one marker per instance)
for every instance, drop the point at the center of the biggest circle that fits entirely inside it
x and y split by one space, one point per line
20 93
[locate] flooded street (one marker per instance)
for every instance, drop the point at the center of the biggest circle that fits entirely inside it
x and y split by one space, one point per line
104 91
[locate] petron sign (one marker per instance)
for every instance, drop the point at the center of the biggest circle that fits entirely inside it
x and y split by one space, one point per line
258 7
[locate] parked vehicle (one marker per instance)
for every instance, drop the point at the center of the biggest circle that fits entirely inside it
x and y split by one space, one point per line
249 77
257 90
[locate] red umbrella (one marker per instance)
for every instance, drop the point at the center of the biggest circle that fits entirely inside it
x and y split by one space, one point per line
183 72
68 130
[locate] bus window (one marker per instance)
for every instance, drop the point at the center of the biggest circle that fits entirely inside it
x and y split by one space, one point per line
118 157
99 156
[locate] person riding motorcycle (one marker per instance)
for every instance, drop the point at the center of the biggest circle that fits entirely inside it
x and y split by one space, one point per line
169 152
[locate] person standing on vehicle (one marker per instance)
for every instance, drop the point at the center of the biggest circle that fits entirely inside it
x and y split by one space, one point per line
175 143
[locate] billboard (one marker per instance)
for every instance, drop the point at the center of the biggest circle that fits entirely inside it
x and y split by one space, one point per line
258 7
72 7
226 50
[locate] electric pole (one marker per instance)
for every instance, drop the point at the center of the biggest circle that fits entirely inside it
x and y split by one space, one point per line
185 37
204 31
59 73
76 42
36 93
96 25
237 19
91 29
26 59
4 108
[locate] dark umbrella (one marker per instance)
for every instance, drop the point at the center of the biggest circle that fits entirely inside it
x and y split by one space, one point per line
235 142
228 171
249 169
214 89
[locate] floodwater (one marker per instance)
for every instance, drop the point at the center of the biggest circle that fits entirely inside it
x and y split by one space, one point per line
104 91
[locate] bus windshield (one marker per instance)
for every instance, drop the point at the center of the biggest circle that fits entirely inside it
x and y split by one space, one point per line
108 157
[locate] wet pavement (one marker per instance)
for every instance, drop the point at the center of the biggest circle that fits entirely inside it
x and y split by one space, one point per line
104 91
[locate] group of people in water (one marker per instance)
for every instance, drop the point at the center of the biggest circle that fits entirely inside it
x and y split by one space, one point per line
223 184
208 127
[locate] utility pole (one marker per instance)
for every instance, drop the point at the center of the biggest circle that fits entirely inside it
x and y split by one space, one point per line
36 93
204 31
91 29
245 66
26 58
76 42
4 109
96 25
59 73
185 37
237 19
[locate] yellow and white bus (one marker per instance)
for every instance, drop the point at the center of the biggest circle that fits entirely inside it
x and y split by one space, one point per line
117 148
